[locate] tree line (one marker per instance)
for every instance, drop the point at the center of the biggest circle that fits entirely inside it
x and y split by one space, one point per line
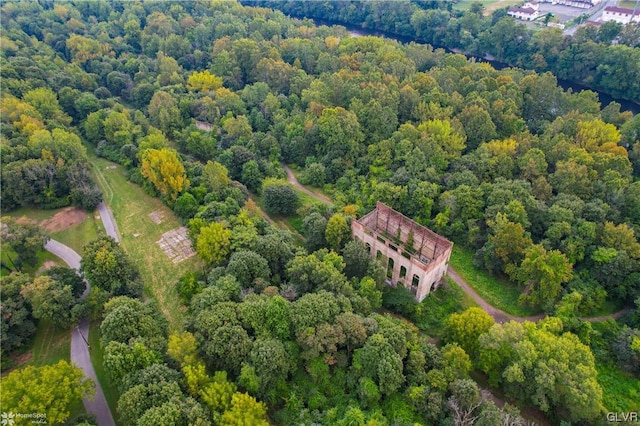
587 57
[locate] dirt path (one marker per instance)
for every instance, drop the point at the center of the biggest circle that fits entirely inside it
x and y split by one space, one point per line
291 178
498 315
616 315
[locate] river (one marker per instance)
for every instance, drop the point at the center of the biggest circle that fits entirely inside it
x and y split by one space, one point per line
605 99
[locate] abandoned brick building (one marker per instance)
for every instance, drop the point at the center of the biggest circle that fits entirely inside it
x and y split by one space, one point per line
414 256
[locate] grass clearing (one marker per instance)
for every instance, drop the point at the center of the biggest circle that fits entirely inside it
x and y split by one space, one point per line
97 359
498 292
78 235
131 207
75 236
50 345
489 5
628 4
620 391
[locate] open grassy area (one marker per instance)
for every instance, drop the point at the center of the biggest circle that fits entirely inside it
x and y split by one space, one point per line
489 5
75 236
97 355
50 345
621 391
79 235
131 207
496 291
629 4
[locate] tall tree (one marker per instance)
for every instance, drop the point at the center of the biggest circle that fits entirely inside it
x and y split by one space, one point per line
108 267
165 171
213 243
51 390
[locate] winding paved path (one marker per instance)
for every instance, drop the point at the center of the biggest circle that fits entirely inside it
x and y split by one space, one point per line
109 222
79 346
498 315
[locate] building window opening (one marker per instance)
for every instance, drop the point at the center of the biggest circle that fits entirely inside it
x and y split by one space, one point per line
403 272
416 281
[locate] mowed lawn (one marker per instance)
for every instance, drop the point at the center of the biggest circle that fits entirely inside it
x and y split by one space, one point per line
131 207
489 5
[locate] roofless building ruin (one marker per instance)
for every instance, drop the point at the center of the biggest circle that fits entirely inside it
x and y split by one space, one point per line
415 256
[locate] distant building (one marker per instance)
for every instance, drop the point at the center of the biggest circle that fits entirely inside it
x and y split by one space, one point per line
620 14
528 12
581 4
414 256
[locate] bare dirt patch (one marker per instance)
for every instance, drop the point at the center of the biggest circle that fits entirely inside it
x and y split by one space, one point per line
176 245
157 216
23 220
64 219
48 264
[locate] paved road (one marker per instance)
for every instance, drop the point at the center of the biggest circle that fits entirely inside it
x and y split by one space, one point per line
108 221
79 346
291 178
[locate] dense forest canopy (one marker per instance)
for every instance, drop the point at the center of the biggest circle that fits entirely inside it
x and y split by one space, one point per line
542 185
587 57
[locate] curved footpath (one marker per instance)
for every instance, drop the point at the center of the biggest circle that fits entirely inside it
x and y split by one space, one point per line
498 315
109 222
79 346
291 178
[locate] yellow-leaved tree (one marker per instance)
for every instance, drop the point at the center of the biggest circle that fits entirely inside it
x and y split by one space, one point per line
165 171
50 390
204 81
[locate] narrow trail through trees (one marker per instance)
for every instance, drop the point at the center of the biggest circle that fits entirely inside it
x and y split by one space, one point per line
498 315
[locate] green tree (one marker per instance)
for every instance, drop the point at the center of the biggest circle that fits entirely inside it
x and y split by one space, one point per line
26 241
248 266
465 329
279 197
337 232
378 360
543 273
164 113
314 228
121 359
310 273
106 265
128 319
551 371
17 321
213 243
356 258
137 400
50 390
215 177
52 301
